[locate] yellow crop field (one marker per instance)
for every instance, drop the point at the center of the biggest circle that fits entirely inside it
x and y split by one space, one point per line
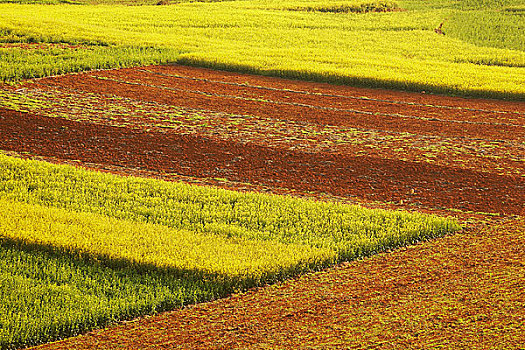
154 245
395 49
75 236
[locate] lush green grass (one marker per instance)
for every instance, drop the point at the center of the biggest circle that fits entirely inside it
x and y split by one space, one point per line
18 63
80 249
394 49
489 27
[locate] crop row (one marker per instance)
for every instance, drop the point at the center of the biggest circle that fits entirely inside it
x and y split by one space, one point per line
490 27
22 62
345 6
152 245
213 210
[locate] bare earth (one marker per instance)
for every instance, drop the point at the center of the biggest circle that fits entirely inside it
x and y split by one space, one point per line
379 148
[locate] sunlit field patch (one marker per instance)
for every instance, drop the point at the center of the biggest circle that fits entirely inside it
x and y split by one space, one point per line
194 243
81 249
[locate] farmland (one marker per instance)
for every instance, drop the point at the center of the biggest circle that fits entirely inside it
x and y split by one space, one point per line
244 142
231 241
396 49
259 211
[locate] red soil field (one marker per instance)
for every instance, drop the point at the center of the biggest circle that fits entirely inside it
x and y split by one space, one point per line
501 121
371 178
423 152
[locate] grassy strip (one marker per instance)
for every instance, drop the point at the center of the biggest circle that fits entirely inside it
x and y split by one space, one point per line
395 49
494 28
19 63
351 231
75 271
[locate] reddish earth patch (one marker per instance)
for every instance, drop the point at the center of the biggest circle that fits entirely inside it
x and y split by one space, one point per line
418 151
503 124
404 176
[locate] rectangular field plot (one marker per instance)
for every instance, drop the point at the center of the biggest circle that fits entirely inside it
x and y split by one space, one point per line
81 249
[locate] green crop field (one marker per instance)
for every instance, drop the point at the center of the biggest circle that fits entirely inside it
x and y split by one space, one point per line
381 44
143 245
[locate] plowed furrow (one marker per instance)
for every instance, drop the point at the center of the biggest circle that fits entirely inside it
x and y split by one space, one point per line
358 103
321 102
348 91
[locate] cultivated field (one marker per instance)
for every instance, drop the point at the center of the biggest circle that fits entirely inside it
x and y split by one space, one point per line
480 54
459 157
253 211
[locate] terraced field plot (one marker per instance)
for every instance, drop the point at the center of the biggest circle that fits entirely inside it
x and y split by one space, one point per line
461 291
82 249
379 148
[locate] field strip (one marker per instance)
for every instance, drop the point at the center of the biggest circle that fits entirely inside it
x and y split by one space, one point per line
205 242
296 104
301 92
312 100
288 112
498 156
379 179
446 291
153 245
331 89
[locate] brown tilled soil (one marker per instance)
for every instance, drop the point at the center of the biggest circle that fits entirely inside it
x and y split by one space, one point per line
415 151
370 178
502 121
